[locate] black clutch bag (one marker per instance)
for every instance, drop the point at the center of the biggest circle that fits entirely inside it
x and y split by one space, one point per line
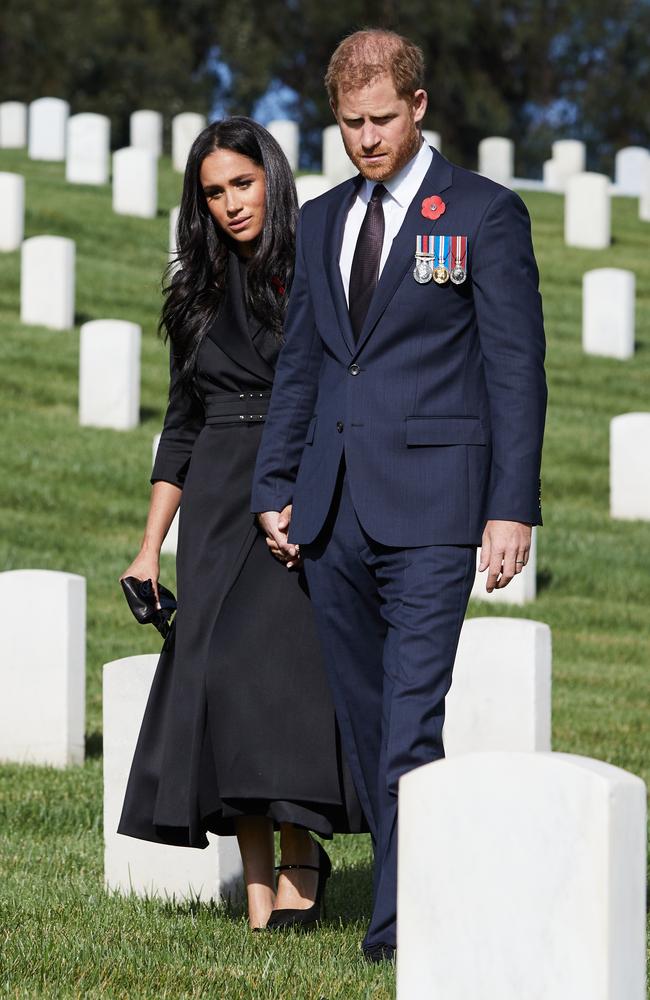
141 599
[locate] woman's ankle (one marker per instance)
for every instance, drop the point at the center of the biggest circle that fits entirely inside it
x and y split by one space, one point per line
261 901
297 845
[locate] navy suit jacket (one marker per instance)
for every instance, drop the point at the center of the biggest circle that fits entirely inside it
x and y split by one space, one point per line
440 405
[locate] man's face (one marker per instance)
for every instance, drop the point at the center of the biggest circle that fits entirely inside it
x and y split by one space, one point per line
379 129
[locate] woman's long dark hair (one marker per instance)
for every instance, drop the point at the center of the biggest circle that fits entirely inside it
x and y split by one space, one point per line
199 270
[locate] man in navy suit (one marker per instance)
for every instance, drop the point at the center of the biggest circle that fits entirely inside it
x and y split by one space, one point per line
405 426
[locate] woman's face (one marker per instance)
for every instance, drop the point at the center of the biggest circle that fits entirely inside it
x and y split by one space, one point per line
234 188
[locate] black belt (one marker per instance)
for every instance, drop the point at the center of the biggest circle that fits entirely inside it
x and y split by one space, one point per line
233 407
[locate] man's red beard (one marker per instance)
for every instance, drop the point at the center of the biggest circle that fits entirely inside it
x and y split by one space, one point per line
392 158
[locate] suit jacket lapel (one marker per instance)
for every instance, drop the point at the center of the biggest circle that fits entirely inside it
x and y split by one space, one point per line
231 330
437 179
337 213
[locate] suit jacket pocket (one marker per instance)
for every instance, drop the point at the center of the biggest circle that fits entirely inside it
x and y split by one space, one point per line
423 431
311 430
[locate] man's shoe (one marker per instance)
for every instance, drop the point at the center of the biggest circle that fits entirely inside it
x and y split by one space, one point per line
380 953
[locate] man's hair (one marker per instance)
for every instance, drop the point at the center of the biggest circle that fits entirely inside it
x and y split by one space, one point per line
362 57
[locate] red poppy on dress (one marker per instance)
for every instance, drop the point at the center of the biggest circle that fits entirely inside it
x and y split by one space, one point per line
433 207
277 284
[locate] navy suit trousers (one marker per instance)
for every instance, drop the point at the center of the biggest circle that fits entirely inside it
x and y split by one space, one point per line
389 620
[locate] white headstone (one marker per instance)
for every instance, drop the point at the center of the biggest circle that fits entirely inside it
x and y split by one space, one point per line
48 117
311 186
135 183
552 177
170 543
42 667
12 211
337 165
432 138
88 149
608 312
287 135
146 131
138 866
521 875
47 282
496 159
185 128
587 212
13 125
644 200
500 697
629 467
570 157
109 374
521 589
630 169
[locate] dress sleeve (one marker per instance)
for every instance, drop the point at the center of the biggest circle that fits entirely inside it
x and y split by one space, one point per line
184 420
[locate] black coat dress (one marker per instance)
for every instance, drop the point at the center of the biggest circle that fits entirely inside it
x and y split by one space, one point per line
239 720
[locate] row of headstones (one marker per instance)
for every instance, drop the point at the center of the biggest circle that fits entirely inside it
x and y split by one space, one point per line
86 137
496 159
521 864
83 140
587 206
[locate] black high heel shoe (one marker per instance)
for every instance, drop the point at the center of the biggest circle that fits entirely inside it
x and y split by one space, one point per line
304 919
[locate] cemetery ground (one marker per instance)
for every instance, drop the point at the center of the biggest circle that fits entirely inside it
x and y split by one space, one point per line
75 499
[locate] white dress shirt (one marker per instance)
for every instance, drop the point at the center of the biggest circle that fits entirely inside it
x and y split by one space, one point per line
401 190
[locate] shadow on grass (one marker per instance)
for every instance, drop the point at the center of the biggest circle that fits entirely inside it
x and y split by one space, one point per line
81 318
94 745
349 895
348 900
544 580
148 413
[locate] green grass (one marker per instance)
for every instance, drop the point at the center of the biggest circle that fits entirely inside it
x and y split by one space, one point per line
75 499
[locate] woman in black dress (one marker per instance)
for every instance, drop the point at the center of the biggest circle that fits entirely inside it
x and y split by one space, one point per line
239 735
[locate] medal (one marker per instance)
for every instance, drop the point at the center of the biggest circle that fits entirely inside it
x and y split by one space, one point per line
458 259
423 270
441 275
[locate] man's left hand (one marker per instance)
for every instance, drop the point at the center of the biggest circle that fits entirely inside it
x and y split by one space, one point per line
505 550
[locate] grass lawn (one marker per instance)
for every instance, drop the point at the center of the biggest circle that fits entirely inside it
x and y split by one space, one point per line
75 499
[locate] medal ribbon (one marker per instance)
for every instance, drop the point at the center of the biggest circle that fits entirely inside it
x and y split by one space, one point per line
443 250
424 246
459 252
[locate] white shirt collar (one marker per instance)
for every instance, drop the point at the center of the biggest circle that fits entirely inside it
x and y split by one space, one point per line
404 186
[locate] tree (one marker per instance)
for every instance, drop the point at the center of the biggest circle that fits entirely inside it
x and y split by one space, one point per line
105 59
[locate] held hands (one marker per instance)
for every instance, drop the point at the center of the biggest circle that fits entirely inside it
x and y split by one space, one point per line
145 566
276 526
505 550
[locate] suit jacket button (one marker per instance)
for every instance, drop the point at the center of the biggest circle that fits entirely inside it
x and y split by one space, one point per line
339 426
354 369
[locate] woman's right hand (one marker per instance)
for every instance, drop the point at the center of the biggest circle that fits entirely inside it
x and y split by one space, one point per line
145 566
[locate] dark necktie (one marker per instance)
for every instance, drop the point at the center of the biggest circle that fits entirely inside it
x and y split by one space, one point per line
365 263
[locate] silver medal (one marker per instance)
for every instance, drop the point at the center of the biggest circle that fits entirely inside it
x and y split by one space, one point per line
422 272
458 275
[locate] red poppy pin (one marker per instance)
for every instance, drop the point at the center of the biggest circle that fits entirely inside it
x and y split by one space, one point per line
433 207
277 284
